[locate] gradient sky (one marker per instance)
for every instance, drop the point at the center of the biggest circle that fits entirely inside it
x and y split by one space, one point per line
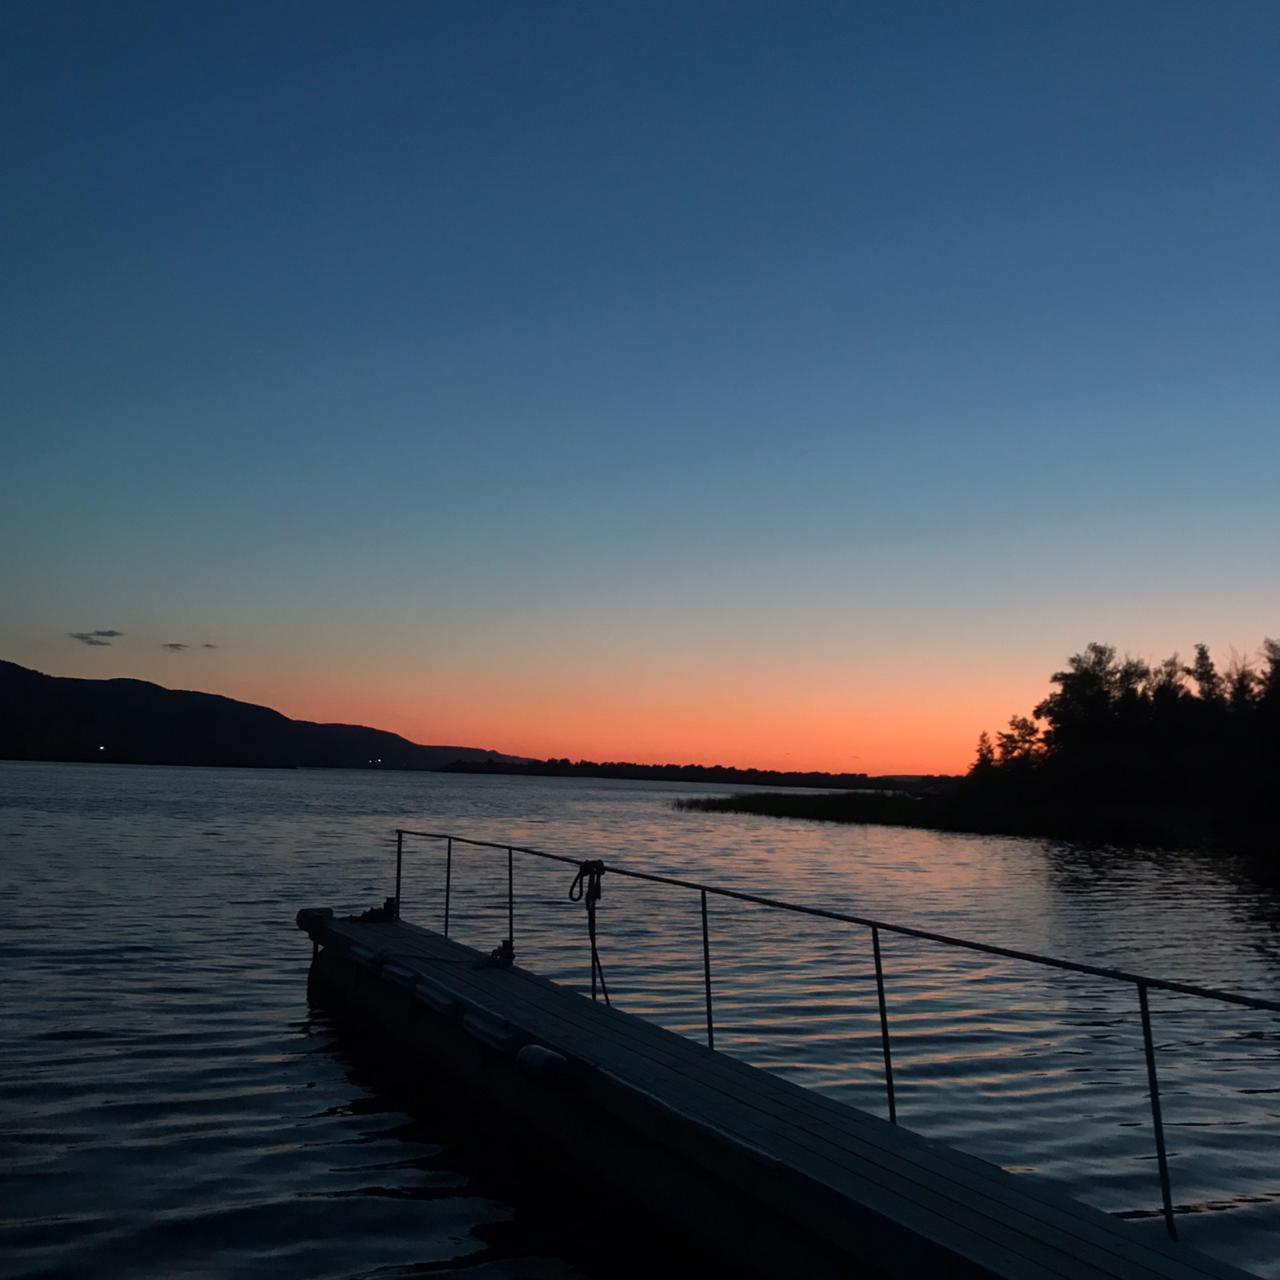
791 385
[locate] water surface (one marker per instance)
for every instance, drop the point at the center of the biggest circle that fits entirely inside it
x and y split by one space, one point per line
170 1105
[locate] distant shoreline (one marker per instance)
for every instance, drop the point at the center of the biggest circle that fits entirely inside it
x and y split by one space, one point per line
1120 826
707 775
255 765
718 774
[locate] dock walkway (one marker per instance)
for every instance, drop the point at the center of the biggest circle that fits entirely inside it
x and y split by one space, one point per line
770 1158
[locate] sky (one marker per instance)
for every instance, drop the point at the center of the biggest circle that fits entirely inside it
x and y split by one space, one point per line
781 385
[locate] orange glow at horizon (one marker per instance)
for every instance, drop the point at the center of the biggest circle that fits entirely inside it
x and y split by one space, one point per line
691 718
895 704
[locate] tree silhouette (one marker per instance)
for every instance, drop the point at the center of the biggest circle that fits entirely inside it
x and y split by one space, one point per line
1205 674
1118 734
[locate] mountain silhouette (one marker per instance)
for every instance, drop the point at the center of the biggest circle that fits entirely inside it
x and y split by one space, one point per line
132 721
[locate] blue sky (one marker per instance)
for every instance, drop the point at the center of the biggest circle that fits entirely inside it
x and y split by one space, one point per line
432 359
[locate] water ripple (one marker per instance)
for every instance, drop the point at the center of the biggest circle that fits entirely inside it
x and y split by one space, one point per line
169 1104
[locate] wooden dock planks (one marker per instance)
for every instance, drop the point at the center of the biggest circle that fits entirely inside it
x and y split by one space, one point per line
886 1198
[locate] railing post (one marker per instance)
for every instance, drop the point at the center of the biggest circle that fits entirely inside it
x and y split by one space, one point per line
399 864
706 972
884 1028
448 880
511 902
1157 1120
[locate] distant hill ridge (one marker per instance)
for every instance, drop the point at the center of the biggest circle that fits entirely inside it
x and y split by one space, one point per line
135 722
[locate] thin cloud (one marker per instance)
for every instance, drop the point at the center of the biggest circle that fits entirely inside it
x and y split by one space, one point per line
102 636
208 646
175 646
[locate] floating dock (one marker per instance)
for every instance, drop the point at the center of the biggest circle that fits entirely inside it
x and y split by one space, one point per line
771 1178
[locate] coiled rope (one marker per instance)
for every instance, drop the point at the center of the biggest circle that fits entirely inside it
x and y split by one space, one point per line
586 889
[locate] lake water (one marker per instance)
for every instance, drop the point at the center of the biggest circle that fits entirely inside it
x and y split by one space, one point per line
170 1105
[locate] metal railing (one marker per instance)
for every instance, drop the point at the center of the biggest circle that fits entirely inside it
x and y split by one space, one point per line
1140 982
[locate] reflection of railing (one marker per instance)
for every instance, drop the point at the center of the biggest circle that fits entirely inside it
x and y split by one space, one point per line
1142 983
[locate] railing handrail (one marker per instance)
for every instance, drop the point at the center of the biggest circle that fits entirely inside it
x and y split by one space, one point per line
910 931
1141 982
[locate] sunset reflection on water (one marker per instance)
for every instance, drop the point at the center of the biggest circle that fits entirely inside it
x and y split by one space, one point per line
1038 1070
